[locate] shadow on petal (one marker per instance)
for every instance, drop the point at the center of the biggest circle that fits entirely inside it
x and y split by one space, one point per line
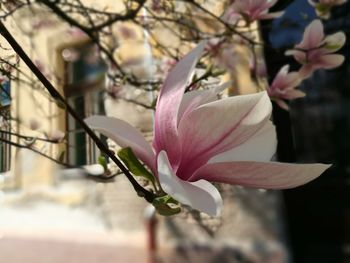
200 195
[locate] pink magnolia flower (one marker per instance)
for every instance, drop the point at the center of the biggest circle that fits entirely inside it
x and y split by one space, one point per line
315 50
199 139
251 10
323 7
283 87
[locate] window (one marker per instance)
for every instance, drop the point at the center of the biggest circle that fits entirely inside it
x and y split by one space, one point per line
84 90
5 136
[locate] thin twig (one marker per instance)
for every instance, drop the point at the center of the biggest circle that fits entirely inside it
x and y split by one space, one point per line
18 145
28 138
149 196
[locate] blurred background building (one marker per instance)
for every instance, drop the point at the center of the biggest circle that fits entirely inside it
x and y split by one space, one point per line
48 215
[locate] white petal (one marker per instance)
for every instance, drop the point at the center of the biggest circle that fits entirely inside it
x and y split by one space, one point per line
335 41
268 175
306 71
330 61
200 195
261 147
193 99
272 15
311 2
219 126
125 136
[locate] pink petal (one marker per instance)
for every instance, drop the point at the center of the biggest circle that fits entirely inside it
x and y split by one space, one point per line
312 3
218 126
260 147
194 99
270 3
313 35
200 195
283 71
282 104
259 8
125 136
241 5
291 81
272 15
230 16
306 71
335 41
330 61
299 56
340 2
169 100
269 175
285 80
294 94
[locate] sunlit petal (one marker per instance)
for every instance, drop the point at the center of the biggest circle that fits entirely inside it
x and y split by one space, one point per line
169 100
125 136
294 94
335 41
306 71
331 61
261 147
194 99
200 195
269 175
272 15
219 126
313 35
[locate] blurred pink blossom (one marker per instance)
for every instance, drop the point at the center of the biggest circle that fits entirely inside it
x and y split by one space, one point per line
166 64
223 53
323 7
315 50
284 87
251 10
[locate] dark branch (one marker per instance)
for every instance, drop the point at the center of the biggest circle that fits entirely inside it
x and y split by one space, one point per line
56 95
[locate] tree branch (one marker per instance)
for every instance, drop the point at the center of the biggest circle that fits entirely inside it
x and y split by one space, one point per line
18 145
56 95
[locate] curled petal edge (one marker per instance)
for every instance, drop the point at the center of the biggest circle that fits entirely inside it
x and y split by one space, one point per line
200 195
